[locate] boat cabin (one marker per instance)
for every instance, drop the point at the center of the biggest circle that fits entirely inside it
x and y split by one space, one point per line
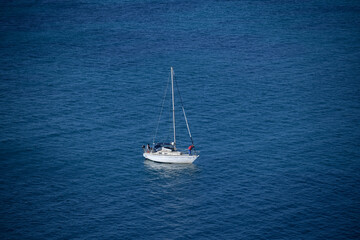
164 147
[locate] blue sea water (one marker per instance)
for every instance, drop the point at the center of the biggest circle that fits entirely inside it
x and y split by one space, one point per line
272 94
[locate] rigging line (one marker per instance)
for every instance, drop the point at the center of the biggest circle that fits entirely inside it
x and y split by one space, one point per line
182 106
169 123
162 107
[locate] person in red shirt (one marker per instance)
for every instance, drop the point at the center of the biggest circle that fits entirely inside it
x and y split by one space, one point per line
190 148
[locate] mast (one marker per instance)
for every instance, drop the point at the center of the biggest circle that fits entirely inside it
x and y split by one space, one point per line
173 104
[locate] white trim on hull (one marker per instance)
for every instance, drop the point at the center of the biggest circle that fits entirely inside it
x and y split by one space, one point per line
170 158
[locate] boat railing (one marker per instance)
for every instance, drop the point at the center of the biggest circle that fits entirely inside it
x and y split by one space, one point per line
182 150
186 151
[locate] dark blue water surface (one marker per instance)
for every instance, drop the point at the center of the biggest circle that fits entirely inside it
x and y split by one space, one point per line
272 93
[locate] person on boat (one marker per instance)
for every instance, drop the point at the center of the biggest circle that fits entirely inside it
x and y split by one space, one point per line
148 148
143 147
191 148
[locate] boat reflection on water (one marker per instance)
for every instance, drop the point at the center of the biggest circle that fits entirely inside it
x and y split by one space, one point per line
169 170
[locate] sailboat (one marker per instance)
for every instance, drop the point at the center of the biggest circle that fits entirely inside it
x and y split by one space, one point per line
168 152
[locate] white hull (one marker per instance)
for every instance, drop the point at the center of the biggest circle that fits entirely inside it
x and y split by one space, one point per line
168 158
